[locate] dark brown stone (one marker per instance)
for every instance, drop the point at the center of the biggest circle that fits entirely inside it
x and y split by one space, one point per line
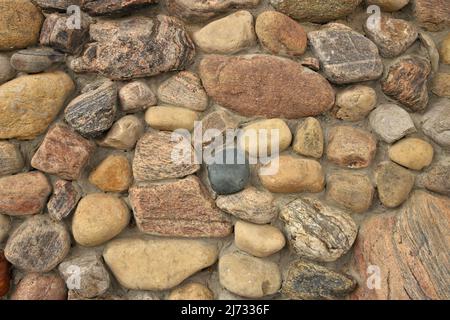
4 275
35 286
434 15
100 7
64 199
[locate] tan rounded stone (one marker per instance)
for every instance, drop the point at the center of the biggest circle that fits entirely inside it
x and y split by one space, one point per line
445 50
355 103
124 133
258 240
191 291
170 118
412 153
309 138
113 174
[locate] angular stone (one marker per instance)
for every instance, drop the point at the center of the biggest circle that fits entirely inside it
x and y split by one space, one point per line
355 103
157 264
216 124
153 157
433 15
248 276
35 60
10 158
170 118
258 240
437 179
64 199
4 275
436 122
391 123
24 193
29 104
113 174
7 72
262 85
101 7
136 96
39 244
63 153
309 281
445 50
5 226
309 138
136 47
441 85
412 153
36 286
406 82
181 208
124 133
388 5
191 291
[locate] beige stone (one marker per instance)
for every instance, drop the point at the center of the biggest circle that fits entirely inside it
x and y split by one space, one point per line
258 240
113 174
124 133
309 138
441 85
355 103
445 50
170 118
136 96
10 158
191 291
412 153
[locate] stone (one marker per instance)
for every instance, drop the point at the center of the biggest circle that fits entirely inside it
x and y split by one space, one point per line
427 43
24 193
433 15
410 246
39 244
136 47
391 123
217 123
157 264
169 118
445 50
136 96
94 278
412 153
57 4
309 138
251 204
4 275
258 240
394 183
103 7
346 56
98 218
153 157
124 133
93 112
437 179
351 147
113 174
280 34
263 85
311 63
5 226
292 175
19 30
181 208
436 122
57 33
10 158
35 60
191 291
388 5
350 190
64 199
198 10
441 85
248 276
63 153
310 281
316 10
406 82
184 90
36 286
30 103
355 103
392 36
7 72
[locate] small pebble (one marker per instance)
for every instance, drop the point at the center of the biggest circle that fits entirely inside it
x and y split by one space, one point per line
412 153
136 96
36 286
355 103
309 138
436 122
258 240
113 174
124 133
64 199
35 60
169 118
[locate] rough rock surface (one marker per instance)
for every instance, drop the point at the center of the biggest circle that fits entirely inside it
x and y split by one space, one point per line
441 85
64 199
124 133
96 7
11 158
136 96
35 60
36 286
391 122
436 122
437 179
433 15
355 103
309 138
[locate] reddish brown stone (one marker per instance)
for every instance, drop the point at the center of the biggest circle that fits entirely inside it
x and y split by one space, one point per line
433 15
4 275
64 199
35 286
180 208
99 7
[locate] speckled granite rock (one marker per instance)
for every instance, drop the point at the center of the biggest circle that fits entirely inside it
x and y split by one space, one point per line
64 199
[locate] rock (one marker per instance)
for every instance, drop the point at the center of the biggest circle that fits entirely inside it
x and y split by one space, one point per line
316 11
437 179
311 63
436 123
30 103
256 206
433 15
198 10
309 281
432 52
280 34
58 33
392 36
388 5
35 60
5 226
391 123
293 175
394 183
136 96
19 30
309 138
350 190
64 200
445 50
158 264
217 123
4 275
268 86
57 4
170 118
184 90
7 72
258 240
113 174
94 279
441 85
10 158
96 7
412 153
136 47
229 172
180 208
153 157
248 276
124 133
351 147
341 60
93 112
406 82
63 153
24 193
355 103
39 244
191 291
98 218
36 286
410 248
